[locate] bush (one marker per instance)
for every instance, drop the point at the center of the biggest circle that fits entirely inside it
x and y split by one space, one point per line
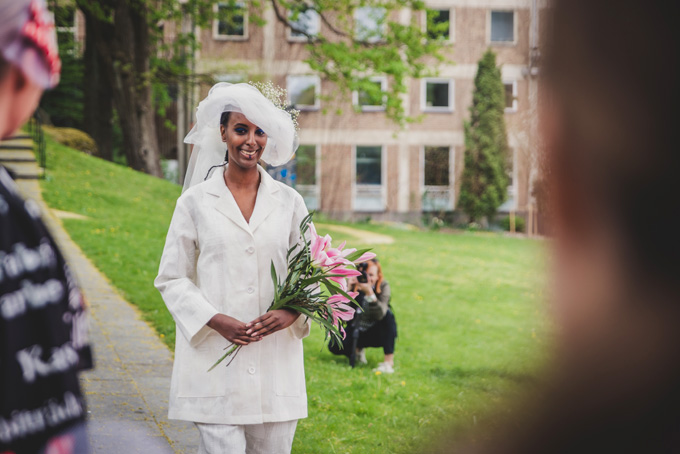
519 224
73 138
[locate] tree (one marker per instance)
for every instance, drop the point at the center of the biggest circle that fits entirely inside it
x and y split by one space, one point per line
484 183
64 103
127 41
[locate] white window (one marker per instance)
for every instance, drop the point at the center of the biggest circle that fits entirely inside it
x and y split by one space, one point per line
307 21
372 100
307 174
231 78
303 92
436 95
437 188
510 96
511 170
369 180
369 24
231 22
439 24
502 27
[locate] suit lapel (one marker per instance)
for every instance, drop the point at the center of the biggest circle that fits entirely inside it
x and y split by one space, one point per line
223 201
267 200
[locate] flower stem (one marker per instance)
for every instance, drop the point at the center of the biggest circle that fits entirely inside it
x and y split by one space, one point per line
229 352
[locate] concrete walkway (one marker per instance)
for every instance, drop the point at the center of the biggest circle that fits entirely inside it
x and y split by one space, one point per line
127 392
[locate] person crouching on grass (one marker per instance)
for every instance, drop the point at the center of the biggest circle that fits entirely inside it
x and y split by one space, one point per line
376 326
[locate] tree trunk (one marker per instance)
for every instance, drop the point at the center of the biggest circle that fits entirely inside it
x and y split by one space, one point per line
132 50
98 105
126 55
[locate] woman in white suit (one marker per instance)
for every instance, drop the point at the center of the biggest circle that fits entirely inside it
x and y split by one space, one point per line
215 279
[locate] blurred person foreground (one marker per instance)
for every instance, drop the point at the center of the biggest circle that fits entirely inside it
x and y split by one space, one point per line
43 330
611 155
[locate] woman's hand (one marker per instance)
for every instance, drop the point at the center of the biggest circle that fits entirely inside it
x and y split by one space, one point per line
271 322
365 288
231 329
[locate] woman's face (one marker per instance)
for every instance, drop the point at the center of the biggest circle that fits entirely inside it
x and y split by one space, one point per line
245 140
372 274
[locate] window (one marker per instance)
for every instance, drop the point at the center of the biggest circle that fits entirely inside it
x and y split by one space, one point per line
510 169
307 20
502 27
436 166
438 24
437 95
373 99
369 165
231 22
369 189
306 176
437 188
369 24
303 92
510 96
510 203
305 165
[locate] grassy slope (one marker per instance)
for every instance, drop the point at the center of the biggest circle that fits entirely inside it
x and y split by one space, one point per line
467 306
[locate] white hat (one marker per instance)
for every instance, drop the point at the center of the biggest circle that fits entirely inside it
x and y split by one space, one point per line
282 139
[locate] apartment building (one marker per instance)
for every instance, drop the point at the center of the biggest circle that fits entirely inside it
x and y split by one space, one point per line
353 162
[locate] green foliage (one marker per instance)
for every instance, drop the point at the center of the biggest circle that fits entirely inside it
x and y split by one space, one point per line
64 103
519 223
467 307
484 182
349 58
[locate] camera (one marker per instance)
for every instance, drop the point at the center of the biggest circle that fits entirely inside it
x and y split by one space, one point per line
362 267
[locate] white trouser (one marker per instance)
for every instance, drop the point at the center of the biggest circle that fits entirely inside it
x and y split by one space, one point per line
267 438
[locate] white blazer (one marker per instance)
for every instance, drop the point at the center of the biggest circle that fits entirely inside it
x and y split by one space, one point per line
215 262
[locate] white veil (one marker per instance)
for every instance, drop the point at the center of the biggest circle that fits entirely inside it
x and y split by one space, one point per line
209 150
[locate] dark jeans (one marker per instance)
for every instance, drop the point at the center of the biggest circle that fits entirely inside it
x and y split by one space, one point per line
382 334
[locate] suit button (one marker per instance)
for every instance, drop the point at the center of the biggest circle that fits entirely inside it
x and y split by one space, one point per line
251 370
251 290
250 250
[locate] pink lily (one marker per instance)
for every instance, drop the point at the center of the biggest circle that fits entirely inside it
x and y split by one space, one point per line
318 246
337 256
344 273
365 257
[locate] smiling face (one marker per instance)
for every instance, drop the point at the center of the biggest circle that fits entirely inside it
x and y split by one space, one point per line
245 140
372 274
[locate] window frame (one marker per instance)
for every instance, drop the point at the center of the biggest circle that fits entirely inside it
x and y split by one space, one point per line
383 179
452 21
302 39
437 109
313 190
450 188
515 100
216 23
371 108
489 41
317 93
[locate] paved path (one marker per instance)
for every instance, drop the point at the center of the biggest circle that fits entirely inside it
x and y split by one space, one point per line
127 392
364 236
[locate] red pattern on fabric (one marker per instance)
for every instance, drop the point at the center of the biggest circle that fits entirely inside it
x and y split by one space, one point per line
41 32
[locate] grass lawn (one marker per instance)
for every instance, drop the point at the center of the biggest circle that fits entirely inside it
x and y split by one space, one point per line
468 308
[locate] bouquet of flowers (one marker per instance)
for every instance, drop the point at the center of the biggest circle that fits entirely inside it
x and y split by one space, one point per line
316 284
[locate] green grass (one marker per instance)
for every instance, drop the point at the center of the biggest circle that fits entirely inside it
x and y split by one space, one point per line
468 309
